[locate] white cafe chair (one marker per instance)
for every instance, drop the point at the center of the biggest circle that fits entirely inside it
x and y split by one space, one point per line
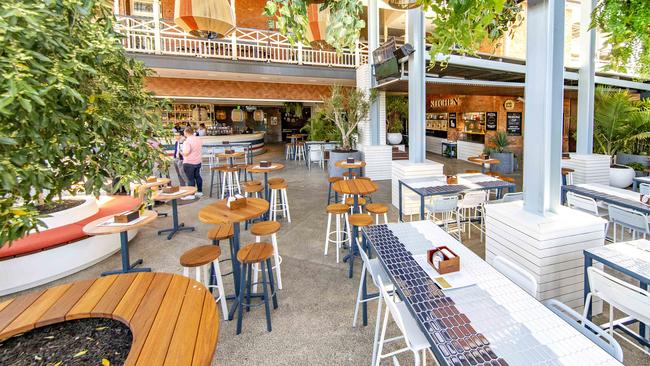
511 197
413 337
629 299
516 274
315 155
588 329
469 208
588 205
636 222
375 269
447 207
644 189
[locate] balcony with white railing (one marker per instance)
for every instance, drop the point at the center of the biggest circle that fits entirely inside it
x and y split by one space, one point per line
163 37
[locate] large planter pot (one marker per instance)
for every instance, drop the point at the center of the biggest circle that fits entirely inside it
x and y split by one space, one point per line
336 155
621 176
72 215
394 138
624 159
507 162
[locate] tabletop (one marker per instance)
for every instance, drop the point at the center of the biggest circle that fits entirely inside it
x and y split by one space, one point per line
346 165
183 191
626 255
297 136
174 320
431 186
96 228
237 154
159 182
609 194
480 160
642 179
486 316
219 213
355 186
258 169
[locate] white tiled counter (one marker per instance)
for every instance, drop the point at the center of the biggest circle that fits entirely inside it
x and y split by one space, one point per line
403 169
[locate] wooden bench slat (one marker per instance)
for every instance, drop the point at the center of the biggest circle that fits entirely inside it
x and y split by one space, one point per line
129 304
181 347
146 314
16 307
163 326
89 300
58 311
4 304
206 339
113 296
27 320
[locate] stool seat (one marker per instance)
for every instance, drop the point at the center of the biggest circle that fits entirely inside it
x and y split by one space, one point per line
253 188
334 179
221 232
494 174
347 174
360 220
566 171
350 201
276 180
265 228
281 185
377 208
508 179
363 178
229 169
199 256
337 208
472 171
255 252
253 183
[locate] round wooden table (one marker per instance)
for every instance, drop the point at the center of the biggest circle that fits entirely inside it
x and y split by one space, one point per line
231 157
358 164
219 213
294 140
158 183
484 162
258 169
105 226
183 191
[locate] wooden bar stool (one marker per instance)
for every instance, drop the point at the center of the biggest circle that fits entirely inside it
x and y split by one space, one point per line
251 190
268 228
359 221
340 213
230 181
197 258
567 176
350 202
378 209
472 171
243 168
218 170
346 175
331 181
300 150
276 180
255 253
279 201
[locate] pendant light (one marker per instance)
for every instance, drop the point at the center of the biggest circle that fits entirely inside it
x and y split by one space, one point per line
203 18
318 21
403 4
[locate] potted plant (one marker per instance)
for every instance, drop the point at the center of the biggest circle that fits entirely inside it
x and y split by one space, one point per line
500 151
319 129
397 111
346 108
639 169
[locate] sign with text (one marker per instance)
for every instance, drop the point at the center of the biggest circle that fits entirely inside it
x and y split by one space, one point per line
513 123
448 102
491 121
452 120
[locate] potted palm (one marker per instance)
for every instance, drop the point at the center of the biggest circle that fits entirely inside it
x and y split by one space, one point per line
346 108
500 152
397 111
319 129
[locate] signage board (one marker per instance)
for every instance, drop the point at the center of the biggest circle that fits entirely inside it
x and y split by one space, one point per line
491 121
452 120
513 123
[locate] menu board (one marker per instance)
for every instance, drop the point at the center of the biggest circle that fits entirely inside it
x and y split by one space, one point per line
491 121
513 123
452 120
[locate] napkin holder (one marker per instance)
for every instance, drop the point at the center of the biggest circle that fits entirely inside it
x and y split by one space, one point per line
645 200
152 179
350 160
169 190
225 143
236 202
229 151
443 260
126 217
452 179
265 164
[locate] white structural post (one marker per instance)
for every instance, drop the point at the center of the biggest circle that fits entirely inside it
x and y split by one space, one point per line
544 101
586 74
373 43
416 86
116 7
156 24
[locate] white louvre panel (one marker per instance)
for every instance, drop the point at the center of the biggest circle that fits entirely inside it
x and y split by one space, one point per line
468 149
591 168
434 144
403 169
378 160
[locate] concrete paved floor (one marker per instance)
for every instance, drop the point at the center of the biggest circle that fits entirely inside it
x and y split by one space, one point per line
313 324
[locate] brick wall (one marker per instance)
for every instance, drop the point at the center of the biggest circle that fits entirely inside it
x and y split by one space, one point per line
235 89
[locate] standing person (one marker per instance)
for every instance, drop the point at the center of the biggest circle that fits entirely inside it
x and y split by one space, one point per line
202 131
192 159
178 158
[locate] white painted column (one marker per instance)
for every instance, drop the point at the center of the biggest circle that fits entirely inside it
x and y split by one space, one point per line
156 24
543 109
373 43
116 7
416 86
586 85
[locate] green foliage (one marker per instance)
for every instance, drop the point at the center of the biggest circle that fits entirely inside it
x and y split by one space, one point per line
320 129
461 25
636 166
627 23
397 109
294 108
342 30
346 108
73 108
501 141
620 125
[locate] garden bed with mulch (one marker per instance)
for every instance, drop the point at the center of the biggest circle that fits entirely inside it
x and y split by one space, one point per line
56 206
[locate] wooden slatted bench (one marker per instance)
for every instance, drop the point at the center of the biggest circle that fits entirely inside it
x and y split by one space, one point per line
174 320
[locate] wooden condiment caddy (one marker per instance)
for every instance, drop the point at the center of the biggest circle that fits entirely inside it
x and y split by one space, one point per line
237 203
452 179
443 260
126 216
265 164
229 151
172 189
152 179
350 160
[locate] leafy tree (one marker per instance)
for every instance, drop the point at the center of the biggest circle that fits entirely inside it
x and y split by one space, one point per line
346 108
73 108
397 110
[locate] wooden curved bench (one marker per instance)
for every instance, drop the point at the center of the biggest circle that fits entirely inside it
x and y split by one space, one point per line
174 320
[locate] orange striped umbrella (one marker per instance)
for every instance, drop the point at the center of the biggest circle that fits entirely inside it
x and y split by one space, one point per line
317 25
198 17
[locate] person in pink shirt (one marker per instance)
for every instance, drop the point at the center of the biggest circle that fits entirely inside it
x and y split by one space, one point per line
192 152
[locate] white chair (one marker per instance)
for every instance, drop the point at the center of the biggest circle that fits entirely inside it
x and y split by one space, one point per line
375 269
586 204
635 221
511 197
447 207
644 189
415 340
315 155
629 299
516 274
587 328
468 209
